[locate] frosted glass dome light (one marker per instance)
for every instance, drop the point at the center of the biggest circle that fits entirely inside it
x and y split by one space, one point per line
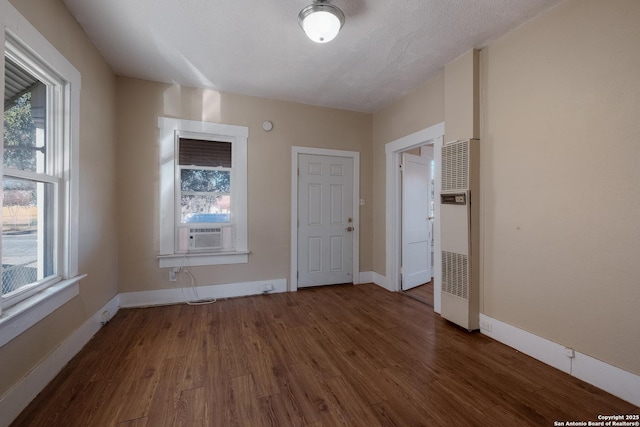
321 21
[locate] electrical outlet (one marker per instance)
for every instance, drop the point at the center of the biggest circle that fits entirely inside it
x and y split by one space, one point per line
172 276
104 317
267 288
569 352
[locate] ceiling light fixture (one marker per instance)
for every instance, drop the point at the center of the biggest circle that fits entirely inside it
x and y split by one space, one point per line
321 21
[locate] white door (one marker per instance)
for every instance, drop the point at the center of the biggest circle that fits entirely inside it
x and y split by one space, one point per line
325 214
416 227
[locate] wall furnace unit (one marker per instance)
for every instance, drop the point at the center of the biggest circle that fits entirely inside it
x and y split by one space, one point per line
459 233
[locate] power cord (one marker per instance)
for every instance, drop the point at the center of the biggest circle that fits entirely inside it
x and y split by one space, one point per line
198 300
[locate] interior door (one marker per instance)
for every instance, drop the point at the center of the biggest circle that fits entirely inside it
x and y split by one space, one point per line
325 213
416 227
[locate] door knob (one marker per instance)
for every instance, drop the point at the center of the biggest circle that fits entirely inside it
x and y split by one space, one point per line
431 218
349 228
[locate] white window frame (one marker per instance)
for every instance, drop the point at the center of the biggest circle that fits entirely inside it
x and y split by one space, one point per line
179 168
170 130
20 313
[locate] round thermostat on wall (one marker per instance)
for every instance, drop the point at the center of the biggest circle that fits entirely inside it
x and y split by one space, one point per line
267 125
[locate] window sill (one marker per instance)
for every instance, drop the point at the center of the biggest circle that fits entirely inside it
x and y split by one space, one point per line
20 317
198 259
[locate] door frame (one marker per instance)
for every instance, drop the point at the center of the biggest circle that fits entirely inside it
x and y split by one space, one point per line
393 233
295 151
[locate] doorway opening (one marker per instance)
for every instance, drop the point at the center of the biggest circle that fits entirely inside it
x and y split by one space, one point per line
418 214
430 136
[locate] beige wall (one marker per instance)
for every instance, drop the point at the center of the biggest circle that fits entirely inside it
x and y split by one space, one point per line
559 162
461 96
98 228
269 163
420 109
560 195
560 178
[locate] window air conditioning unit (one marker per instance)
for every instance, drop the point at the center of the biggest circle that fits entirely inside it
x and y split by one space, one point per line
459 233
205 238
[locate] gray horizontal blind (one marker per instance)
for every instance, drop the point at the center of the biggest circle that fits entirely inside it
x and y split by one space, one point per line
195 152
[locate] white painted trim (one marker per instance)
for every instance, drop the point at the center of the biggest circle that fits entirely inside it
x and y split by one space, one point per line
20 317
238 136
537 347
365 277
382 281
295 151
437 236
110 309
21 28
16 399
194 259
611 379
393 196
415 139
179 295
25 34
616 381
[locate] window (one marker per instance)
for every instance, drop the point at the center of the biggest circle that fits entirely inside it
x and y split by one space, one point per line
203 194
32 175
204 170
39 173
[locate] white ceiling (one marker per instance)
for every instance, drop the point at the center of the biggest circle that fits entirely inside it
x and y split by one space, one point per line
255 47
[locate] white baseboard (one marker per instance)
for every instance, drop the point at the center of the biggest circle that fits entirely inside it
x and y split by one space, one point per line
27 313
16 399
364 277
611 379
614 380
537 347
180 295
381 280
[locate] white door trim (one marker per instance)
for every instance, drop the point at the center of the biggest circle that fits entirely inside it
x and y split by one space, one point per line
295 151
393 201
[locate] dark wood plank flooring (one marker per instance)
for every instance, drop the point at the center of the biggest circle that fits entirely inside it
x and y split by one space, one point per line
339 355
423 293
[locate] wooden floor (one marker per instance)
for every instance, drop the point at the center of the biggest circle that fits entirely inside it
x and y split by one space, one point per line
423 293
339 355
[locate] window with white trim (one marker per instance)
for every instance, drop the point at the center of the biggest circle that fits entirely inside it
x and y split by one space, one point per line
38 244
203 193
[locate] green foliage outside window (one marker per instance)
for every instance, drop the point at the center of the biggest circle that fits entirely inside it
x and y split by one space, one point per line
20 135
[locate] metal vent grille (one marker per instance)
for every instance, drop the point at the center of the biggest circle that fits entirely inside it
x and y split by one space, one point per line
455 166
455 274
204 230
205 238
